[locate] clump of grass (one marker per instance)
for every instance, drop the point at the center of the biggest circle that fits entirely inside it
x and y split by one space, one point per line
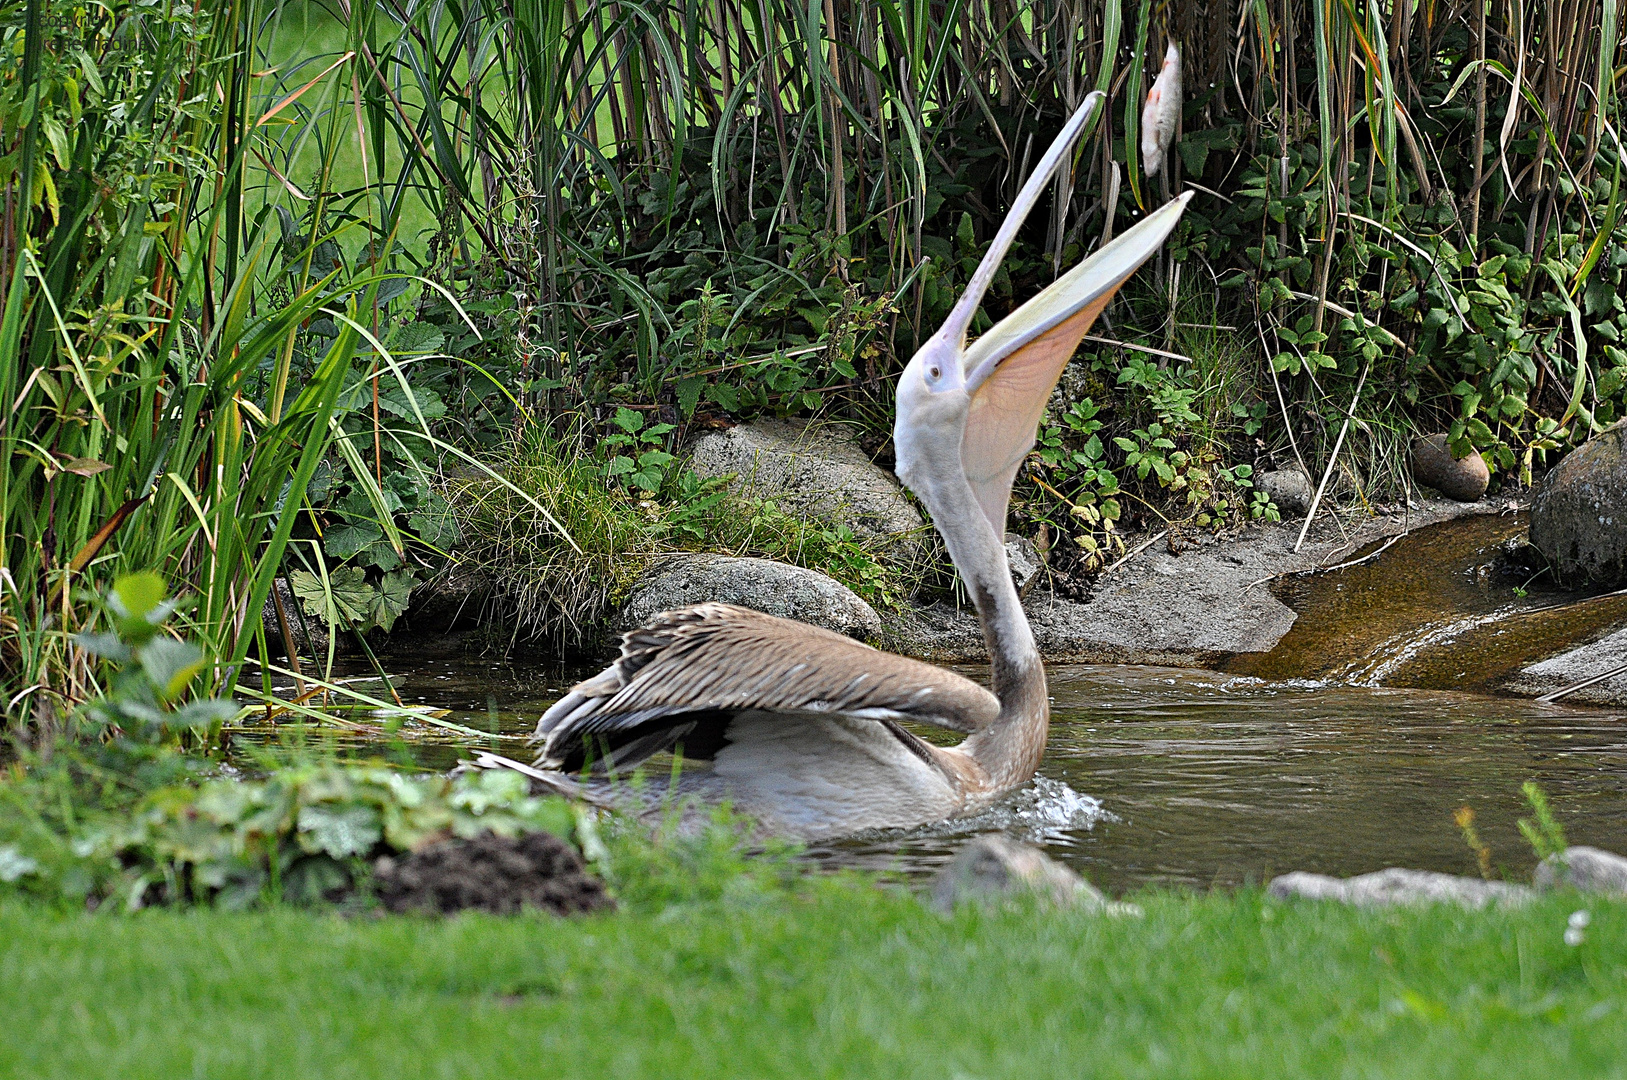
1544 834
1542 830
554 583
870 566
696 855
562 583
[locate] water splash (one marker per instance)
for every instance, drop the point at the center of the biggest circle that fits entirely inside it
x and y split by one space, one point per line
1042 811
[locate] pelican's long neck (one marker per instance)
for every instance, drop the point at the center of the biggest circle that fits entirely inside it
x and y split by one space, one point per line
1011 747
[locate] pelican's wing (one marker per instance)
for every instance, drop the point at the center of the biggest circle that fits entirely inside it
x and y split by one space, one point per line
687 674
1011 369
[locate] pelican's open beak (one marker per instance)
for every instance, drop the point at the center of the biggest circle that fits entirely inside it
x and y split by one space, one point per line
1011 370
1083 291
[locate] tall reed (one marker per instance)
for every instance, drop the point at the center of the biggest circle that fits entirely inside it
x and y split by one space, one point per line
732 206
140 303
609 160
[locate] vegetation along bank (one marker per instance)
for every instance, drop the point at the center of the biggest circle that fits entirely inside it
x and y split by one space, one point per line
350 298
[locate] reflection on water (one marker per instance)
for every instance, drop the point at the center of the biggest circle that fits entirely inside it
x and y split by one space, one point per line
498 697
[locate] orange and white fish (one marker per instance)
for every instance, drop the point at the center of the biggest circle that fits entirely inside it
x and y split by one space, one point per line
1162 112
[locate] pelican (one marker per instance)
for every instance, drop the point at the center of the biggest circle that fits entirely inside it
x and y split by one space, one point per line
802 728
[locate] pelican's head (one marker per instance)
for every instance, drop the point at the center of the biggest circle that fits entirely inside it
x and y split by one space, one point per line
968 415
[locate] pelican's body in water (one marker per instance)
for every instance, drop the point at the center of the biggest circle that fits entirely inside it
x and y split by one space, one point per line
801 728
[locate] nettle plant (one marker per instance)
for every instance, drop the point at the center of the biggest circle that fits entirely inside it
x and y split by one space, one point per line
634 451
152 671
1070 464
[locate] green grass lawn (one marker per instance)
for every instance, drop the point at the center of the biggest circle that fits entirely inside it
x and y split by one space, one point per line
843 980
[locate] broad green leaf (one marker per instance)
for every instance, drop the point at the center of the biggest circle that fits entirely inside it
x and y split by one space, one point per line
390 599
435 523
314 880
171 665
417 338
199 715
137 596
347 589
348 539
481 791
430 405
106 645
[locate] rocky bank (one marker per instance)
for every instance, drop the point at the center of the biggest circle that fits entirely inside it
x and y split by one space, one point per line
1193 609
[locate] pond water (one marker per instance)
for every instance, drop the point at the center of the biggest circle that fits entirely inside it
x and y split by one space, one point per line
1200 779
1346 749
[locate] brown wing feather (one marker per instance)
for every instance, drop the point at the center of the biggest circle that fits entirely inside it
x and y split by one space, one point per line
716 658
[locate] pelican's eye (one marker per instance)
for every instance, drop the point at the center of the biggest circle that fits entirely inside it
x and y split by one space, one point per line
934 371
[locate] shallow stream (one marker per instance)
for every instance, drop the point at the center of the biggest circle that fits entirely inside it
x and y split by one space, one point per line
1346 749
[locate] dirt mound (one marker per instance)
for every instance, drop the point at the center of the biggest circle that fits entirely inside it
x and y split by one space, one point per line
491 873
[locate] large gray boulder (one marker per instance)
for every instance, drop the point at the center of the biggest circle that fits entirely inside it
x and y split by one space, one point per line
815 471
773 588
1584 868
1579 514
1383 888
